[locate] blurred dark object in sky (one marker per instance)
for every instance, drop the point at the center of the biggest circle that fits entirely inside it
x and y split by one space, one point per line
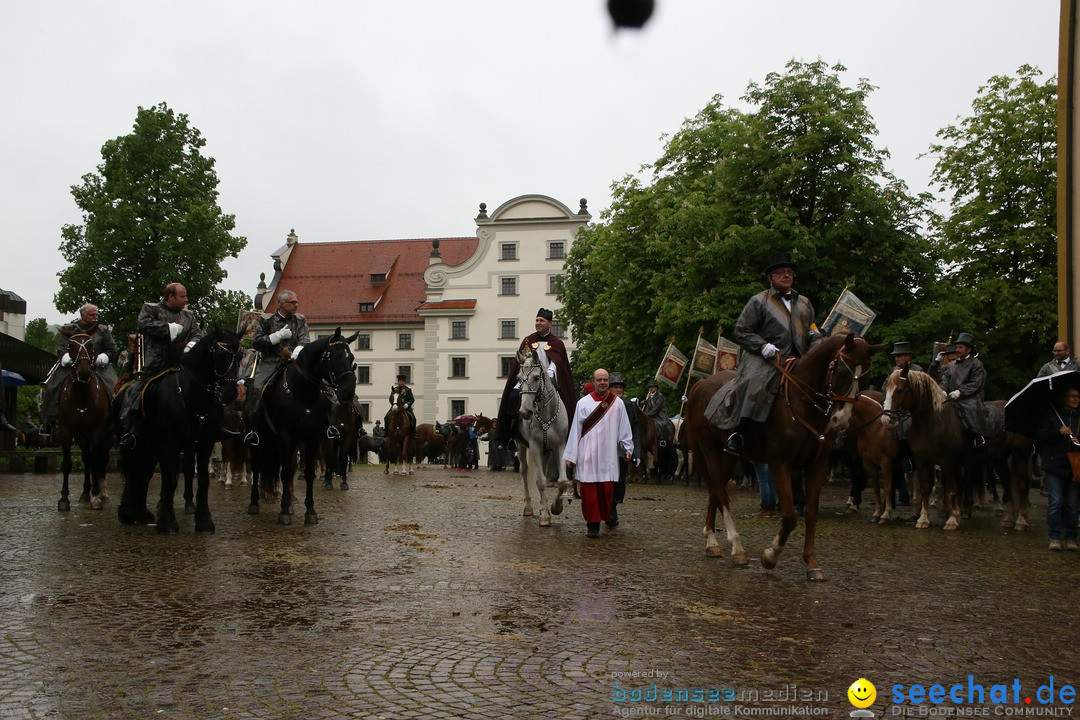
630 13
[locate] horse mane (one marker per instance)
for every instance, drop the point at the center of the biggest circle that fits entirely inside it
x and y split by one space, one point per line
923 386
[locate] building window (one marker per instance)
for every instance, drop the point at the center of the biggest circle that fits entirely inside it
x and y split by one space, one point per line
367 307
556 327
378 278
508 251
556 250
457 408
508 329
405 370
553 284
404 341
457 368
505 361
363 341
363 374
508 285
365 412
459 330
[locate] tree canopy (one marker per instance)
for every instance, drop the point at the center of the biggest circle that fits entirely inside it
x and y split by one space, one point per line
150 216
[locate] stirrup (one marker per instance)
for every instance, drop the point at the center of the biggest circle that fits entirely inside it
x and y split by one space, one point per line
979 441
128 442
332 433
252 439
735 443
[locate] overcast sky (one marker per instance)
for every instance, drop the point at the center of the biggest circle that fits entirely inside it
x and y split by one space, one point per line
360 120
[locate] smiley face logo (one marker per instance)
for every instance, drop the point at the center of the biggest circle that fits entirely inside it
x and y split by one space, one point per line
862 693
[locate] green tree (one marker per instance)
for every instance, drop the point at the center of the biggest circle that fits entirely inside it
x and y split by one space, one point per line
222 308
998 167
150 216
799 173
38 334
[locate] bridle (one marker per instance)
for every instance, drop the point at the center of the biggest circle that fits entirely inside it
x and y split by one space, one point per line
822 402
533 381
83 353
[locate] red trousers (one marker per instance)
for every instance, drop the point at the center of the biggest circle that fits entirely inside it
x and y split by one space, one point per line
596 500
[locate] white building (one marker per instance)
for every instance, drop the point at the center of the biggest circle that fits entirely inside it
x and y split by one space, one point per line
448 313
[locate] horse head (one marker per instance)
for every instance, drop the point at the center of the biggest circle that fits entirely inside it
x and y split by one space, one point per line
909 390
531 377
847 363
81 352
337 366
215 358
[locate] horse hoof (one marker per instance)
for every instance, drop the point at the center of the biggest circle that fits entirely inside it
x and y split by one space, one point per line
768 558
714 551
64 505
328 485
311 519
344 485
253 509
556 507
922 525
739 560
1020 527
999 512
874 519
189 508
545 522
205 526
284 519
166 528
1007 524
528 512
96 504
84 498
951 525
815 575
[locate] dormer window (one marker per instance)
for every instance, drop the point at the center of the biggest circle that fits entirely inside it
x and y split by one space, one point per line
378 278
366 307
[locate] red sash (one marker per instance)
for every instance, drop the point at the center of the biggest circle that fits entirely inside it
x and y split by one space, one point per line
598 412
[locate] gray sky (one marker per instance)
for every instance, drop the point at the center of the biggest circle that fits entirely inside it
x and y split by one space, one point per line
361 120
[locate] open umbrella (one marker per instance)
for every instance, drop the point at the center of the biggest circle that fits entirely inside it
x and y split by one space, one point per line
470 419
1029 406
12 379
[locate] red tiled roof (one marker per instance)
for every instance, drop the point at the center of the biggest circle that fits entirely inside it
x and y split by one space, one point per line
450 305
332 279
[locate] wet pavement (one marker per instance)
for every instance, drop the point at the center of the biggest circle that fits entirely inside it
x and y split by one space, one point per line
431 597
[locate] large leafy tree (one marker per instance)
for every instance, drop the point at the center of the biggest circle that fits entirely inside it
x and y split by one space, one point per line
998 167
150 216
685 242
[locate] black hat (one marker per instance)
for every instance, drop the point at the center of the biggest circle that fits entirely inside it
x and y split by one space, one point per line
779 260
617 379
400 377
546 314
965 339
653 383
902 348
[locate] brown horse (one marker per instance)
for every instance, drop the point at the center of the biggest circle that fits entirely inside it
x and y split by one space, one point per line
435 442
656 459
399 432
937 437
337 452
814 404
235 455
84 419
877 448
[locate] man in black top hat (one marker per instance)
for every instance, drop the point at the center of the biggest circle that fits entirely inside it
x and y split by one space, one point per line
405 399
775 324
902 355
963 379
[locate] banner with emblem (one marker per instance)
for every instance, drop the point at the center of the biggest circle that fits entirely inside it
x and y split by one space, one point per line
727 354
671 367
849 314
704 363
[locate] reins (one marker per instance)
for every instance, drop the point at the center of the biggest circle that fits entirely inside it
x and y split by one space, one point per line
542 400
819 401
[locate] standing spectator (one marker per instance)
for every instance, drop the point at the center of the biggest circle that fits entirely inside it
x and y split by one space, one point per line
1056 436
618 387
1063 360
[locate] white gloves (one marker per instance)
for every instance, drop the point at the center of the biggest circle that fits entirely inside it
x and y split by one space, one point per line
954 394
101 360
282 334
174 330
296 351
190 345
551 371
66 361
940 356
768 350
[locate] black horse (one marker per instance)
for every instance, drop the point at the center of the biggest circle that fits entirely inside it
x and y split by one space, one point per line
183 411
296 412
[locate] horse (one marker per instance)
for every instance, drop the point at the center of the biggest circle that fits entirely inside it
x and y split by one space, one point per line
399 433
370 443
655 457
183 409
542 428
337 452
235 456
683 468
84 419
442 439
297 413
814 403
876 449
937 437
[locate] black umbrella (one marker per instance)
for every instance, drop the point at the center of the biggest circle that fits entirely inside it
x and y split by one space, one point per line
1029 406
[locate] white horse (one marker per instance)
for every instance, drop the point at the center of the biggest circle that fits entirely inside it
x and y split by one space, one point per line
543 427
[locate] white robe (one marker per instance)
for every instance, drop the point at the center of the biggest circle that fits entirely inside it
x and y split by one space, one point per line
596 456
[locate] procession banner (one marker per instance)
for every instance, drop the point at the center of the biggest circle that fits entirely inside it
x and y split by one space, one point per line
247 323
849 314
727 354
671 367
704 363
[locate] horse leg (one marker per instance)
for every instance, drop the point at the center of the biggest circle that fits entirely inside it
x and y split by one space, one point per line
204 521
924 474
951 478
718 470
65 504
523 463
310 518
166 522
814 482
288 470
782 483
257 470
538 469
563 483
132 508
189 481
1020 480
90 474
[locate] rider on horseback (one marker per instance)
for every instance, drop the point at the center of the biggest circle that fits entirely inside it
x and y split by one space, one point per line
277 339
655 406
963 379
105 353
775 324
405 399
165 326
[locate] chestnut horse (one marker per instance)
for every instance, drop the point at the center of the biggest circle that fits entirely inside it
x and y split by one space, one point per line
399 432
877 448
937 437
433 441
813 405
84 419
660 459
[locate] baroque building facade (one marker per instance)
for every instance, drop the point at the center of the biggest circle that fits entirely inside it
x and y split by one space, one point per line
448 313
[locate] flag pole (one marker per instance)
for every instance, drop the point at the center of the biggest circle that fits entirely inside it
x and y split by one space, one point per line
690 374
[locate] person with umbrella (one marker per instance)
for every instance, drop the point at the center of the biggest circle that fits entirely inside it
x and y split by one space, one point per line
1056 436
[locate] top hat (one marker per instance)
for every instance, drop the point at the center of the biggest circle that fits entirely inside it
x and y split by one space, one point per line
546 314
617 379
400 377
902 348
779 260
965 339
653 383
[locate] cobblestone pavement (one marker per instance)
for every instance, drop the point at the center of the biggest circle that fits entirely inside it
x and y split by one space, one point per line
431 597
